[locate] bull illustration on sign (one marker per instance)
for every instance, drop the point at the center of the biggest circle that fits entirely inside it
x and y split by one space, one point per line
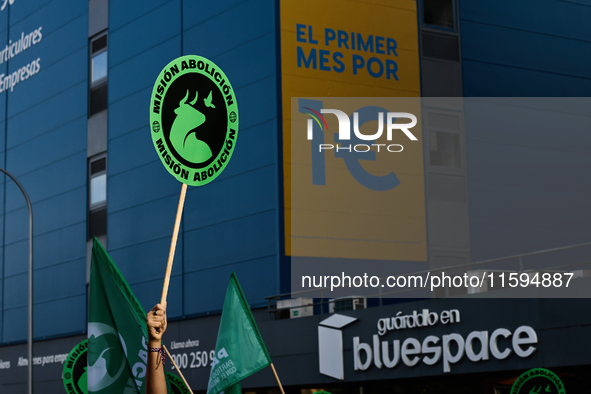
183 134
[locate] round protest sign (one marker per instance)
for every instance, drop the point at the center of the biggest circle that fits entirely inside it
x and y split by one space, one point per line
177 386
538 381
193 119
74 373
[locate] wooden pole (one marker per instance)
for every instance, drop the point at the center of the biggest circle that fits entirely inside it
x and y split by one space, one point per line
175 234
277 377
177 368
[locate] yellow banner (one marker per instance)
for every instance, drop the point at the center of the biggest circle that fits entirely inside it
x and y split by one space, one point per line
340 203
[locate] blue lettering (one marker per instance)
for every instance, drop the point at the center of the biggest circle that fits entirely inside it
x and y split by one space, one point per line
323 59
300 33
343 38
391 46
367 46
380 45
358 62
307 62
310 35
338 58
328 36
391 68
375 60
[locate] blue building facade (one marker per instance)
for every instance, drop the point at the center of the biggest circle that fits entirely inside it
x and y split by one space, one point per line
233 220
66 133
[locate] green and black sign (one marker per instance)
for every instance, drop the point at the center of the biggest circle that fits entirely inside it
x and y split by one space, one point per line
193 119
538 381
74 374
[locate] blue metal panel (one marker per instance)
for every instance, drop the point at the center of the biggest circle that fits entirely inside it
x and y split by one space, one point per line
50 147
15 321
60 281
548 17
231 242
3 25
67 244
129 114
15 291
144 223
148 293
53 179
255 148
248 194
140 72
53 14
230 29
45 182
124 12
46 151
128 153
208 287
1 294
143 266
261 54
493 80
526 50
256 108
195 12
55 112
536 49
59 317
146 262
148 30
14 272
140 186
16 225
63 59
50 214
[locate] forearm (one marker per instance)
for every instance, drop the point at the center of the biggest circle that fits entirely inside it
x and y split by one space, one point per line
155 376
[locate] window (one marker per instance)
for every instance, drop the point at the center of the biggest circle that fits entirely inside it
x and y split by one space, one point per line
98 61
441 46
97 197
444 149
98 75
98 182
439 13
98 189
444 140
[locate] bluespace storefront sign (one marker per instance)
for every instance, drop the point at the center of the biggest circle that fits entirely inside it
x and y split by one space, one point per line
411 350
432 338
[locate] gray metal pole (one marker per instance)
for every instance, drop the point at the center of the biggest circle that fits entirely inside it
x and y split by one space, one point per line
30 327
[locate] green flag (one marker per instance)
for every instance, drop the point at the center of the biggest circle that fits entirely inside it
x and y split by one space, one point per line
117 346
240 350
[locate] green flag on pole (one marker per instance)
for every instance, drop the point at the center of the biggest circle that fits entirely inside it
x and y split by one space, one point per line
117 346
240 350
